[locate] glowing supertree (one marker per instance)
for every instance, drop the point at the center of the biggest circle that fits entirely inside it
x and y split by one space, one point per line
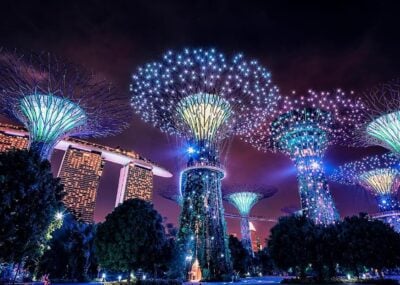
381 117
55 99
303 128
380 175
244 202
206 99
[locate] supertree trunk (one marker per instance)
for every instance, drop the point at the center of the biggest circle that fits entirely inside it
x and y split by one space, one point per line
202 231
43 149
316 199
246 234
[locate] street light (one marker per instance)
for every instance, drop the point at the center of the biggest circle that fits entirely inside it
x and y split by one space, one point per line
59 216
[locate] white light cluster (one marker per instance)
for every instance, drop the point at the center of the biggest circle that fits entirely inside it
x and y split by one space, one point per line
330 117
159 87
378 173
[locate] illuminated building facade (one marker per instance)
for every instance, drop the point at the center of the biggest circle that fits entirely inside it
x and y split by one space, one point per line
80 173
255 238
81 170
134 182
12 139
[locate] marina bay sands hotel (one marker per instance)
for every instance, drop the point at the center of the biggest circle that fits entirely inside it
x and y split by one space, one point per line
82 166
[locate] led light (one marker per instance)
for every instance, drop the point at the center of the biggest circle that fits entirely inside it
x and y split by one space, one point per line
379 174
204 114
303 128
191 150
386 128
59 216
51 116
205 98
54 99
315 165
244 201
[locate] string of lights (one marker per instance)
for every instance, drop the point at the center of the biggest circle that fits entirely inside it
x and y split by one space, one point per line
303 129
380 175
205 98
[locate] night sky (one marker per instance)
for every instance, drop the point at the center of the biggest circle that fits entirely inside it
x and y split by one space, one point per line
306 44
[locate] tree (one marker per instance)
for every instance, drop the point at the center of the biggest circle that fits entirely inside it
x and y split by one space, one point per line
264 261
368 243
241 260
325 251
71 251
290 241
131 237
30 197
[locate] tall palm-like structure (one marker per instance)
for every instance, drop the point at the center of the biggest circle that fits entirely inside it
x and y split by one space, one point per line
206 98
303 128
381 117
244 201
54 99
380 175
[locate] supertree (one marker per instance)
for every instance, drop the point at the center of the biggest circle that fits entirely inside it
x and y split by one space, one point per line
380 175
54 99
381 117
303 129
204 98
244 201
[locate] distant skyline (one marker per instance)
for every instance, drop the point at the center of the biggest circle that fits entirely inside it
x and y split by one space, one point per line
309 44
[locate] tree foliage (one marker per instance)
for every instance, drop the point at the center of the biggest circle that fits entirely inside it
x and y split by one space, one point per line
241 260
371 243
29 198
131 237
290 241
354 244
264 261
71 252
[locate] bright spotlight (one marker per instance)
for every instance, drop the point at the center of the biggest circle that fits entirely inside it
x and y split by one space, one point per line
59 216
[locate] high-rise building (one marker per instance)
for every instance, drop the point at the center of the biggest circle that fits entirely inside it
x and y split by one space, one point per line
81 169
135 181
80 173
12 139
255 238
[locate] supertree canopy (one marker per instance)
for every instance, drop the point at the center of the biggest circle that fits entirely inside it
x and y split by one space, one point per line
380 175
303 128
55 99
381 117
244 202
202 96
